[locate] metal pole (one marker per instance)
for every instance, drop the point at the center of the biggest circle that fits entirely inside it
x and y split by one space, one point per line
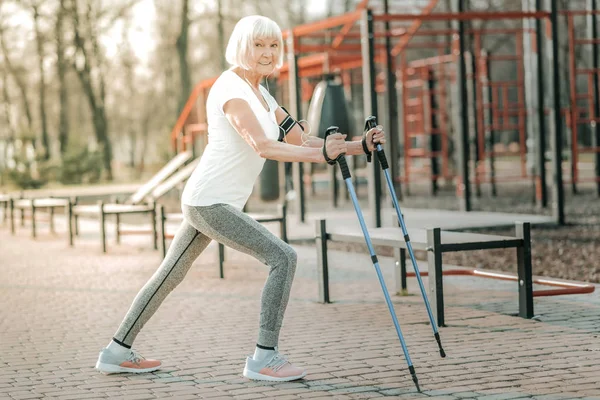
434 138
595 131
392 129
370 108
296 110
556 127
464 189
533 63
542 195
490 139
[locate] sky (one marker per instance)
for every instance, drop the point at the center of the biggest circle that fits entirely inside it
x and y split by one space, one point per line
144 14
142 34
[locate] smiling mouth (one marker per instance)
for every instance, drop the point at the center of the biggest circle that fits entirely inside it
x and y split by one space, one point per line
265 64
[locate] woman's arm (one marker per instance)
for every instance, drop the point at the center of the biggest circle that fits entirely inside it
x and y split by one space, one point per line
295 136
243 120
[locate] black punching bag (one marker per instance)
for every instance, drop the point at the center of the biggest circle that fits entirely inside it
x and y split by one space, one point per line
328 107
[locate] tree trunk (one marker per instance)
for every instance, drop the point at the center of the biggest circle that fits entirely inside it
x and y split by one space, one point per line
95 101
145 132
42 103
221 34
7 103
182 51
61 66
18 80
9 142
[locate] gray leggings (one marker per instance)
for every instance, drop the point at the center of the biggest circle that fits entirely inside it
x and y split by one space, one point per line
237 230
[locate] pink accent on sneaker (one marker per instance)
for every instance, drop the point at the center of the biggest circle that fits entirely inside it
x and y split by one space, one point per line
284 371
138 363
276 369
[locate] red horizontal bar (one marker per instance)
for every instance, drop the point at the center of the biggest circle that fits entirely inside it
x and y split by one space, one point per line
328 23
569 288
464 16
589 71
587 41
588 150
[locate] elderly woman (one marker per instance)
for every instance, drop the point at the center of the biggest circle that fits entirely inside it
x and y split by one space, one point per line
245 127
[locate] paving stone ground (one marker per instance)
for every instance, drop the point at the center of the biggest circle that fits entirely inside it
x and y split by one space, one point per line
59 306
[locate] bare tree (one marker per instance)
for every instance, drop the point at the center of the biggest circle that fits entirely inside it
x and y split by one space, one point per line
8 141
17 73
86 65
128 63
39 37
182 52
221 32
61 70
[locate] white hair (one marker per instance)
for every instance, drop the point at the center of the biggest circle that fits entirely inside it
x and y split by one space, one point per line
242 39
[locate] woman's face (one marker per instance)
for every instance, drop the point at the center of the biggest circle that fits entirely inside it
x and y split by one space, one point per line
264 55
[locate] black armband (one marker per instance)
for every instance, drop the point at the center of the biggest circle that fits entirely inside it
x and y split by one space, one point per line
286 125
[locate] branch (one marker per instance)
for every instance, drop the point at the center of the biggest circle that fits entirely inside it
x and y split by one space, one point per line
209 17
119 13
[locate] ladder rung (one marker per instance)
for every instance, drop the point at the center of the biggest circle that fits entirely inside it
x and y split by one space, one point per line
587 71
587 41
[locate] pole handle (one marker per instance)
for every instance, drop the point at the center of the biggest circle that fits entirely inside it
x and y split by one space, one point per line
341 159
370 123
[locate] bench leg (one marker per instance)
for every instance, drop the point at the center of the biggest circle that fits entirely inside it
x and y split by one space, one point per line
52 229
117 228
11 206
102 226
154 230
322 268
523 231
221 260
162 232
70 222
436 286
33 227
73 202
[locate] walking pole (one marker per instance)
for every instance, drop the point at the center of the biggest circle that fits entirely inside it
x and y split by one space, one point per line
341 160
371 122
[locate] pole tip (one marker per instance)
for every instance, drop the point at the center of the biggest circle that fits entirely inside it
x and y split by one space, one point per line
417 383
442 353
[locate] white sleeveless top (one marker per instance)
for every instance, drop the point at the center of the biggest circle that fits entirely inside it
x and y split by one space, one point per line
229 166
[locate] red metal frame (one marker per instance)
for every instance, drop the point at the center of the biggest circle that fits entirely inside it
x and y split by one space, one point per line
577 115
568 287
502 111
344 54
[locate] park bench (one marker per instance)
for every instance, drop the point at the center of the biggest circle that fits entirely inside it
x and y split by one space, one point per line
69 202
435 242
280 216
48 203
141 202
4 202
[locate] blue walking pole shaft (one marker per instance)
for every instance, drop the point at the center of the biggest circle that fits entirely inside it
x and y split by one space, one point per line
341 160
371 123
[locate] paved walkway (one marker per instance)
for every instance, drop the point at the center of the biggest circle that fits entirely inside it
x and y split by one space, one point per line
60 305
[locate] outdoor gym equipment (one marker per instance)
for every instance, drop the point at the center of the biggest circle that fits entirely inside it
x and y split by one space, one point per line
341 160
371 122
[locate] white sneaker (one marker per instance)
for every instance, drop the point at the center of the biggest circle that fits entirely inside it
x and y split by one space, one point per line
110 363
276 368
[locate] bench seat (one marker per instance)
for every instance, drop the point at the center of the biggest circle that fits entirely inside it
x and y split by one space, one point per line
435 242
